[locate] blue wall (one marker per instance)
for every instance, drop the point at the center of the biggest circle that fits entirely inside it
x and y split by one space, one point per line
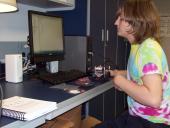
11 48
75 20
74 25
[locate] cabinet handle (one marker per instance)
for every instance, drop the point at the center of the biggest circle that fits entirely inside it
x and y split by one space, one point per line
102 35
107 35
90 53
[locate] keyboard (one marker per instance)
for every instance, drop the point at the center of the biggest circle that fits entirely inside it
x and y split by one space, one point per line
61 76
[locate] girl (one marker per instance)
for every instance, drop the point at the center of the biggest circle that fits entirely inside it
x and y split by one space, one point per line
148 81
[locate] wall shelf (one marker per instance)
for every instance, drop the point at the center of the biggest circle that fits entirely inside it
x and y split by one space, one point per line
47 4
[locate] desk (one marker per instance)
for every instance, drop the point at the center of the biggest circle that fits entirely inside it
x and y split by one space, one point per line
39 90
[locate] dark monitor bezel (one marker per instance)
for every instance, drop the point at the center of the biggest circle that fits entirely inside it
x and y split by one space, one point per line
43 57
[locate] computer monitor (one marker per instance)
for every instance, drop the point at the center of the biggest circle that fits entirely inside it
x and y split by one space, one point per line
46 37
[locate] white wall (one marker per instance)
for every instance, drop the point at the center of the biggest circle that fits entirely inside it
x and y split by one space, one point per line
14 26
164 8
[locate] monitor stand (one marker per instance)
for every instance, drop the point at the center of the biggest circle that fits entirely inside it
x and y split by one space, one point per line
52 66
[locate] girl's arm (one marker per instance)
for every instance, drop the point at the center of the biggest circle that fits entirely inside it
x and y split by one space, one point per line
150 93
118 72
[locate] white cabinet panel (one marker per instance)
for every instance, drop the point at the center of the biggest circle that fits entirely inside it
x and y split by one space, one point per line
48 3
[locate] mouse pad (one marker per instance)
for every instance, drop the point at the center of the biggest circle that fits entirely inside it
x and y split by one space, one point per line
83 81
88 81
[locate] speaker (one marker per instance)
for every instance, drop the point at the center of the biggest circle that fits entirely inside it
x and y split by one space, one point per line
52 66
13 68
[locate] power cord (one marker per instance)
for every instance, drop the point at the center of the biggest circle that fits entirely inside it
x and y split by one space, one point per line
27 67
2 95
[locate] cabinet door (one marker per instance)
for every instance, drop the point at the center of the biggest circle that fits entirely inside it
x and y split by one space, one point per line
103 32
97 26
111 33
110 111
96 107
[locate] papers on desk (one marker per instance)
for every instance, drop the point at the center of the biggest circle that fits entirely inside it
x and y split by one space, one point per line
26 108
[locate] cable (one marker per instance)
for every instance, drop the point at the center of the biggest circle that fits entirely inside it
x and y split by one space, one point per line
1 91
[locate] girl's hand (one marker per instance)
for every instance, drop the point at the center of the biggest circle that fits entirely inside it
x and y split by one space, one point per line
118 80
117 72
114 72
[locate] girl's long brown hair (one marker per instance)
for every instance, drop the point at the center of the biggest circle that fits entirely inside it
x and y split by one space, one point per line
144 18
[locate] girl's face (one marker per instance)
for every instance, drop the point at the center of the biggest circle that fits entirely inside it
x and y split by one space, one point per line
123 27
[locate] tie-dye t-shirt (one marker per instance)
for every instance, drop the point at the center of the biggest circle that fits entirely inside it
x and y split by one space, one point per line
149 58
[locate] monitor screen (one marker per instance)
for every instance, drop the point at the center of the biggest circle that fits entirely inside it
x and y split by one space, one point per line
46 37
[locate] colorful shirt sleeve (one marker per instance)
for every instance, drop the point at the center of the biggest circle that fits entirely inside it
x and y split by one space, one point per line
149 59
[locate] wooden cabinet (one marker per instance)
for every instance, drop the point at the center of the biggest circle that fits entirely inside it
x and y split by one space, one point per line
108 105
108 49
103 31
103 106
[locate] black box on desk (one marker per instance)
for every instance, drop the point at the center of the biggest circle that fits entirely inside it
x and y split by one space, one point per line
78 54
